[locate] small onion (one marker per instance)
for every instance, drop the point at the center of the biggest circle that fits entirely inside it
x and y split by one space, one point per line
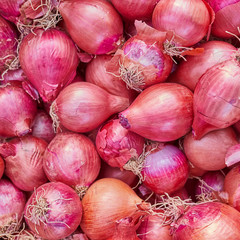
46 68
162 112
98 20
53 211
2 167
72 158
12 202
209 152
17 111
83 106
116 145
24 162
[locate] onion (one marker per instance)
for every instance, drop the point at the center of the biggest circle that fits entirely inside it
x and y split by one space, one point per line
232 187
142 60
82 106
42 126
2 167
226 17
188 72
17 111
8 44
209 152
15 75
211 220
98 20
164 162
72 158
24 163
107 201
135 9
46 68
236 127
116 145
126 176
152 228
195 17
216 98
53 211
12 202
182 193
195 171
233 155
97 74
162 112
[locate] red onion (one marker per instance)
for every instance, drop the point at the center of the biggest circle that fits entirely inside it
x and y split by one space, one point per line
135 9
116 145
42 126
181 193
53 211
12 202
152 228
72 158
226 17
82 106
165 169
17 111
232 187
233 155
195 17
236 127
97 74
46 68
195 171
98 20
142 61
16 75
209 152
107 201
216 98
24 163
128 177
8 44
2 167
211 220
162 112
188 72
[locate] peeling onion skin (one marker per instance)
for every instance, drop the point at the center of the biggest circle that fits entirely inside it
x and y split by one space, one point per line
212 220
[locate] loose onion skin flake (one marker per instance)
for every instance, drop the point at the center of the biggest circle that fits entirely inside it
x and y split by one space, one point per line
53 211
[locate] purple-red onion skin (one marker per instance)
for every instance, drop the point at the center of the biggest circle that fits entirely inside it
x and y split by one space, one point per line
211 220
94 25
189 72
12 202
165 169
233 155
83 106
42 126
71 158
209 152
24 162
46 68
162 112
116 145
2 167
63 218
17 111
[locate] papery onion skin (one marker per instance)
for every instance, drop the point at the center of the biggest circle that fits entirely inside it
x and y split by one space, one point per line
8 44
12 202
2 167
188 72
209 152
24 162
162 112
98 20
63 214
15 75
82 106
152 228
231 186
107 201
233 155
116 145
194 16
42 126
17 111
165 169
212 220
71 158
54 49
